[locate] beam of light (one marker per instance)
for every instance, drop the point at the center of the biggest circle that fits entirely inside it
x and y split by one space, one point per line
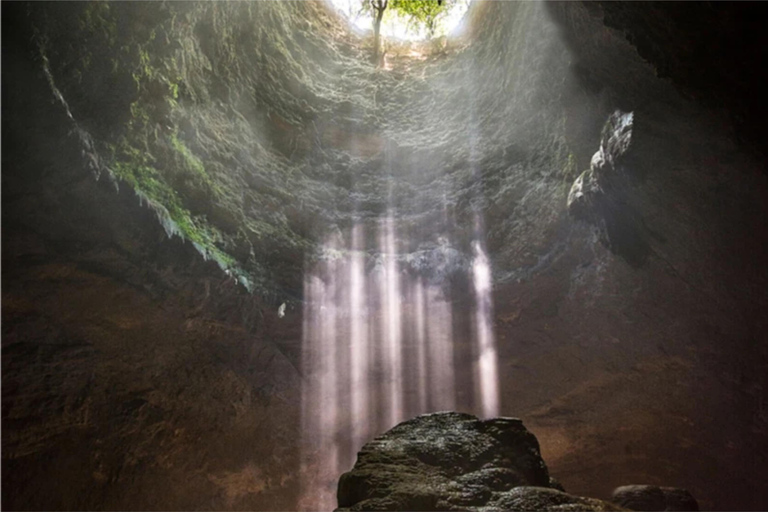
376 344
440 335
377 336
328 357
392 321
486 370
421 343
359 366
309 395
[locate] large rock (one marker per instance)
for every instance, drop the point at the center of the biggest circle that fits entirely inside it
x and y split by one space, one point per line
454 461
651 497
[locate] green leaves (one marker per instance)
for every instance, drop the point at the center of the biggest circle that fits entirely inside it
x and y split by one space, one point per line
422 12
419 15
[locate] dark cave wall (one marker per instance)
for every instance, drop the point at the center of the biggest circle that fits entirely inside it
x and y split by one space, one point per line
136 375
668 348
714 52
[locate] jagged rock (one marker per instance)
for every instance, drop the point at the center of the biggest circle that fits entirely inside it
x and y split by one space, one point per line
651 497
615 145
454 461
583 193
590 186
599 196
616 139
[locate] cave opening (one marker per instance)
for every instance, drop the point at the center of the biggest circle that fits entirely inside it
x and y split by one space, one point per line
236 249
400 26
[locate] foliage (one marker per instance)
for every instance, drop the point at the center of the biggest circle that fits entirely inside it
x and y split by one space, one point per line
418 14
422 12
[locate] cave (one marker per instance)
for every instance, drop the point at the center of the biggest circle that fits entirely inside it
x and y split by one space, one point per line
235 248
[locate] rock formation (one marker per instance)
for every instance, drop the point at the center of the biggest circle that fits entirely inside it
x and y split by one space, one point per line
454 461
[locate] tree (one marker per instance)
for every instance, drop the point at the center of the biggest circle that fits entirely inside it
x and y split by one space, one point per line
378 7
419 13
422 12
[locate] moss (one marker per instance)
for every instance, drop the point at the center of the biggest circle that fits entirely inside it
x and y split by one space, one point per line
97 21
148 181
189 161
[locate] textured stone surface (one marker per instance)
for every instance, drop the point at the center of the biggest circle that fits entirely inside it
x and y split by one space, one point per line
651 497
540 498
583 194
599 196
454 461
589 189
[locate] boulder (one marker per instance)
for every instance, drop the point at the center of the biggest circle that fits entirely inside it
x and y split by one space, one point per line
455 461
651 497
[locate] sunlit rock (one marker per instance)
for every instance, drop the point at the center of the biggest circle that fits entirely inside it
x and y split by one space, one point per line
588 188
617 139
584 191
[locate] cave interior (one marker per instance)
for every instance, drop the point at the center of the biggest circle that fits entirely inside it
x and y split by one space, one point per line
235 249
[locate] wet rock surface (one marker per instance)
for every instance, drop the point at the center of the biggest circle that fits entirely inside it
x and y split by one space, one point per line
454 461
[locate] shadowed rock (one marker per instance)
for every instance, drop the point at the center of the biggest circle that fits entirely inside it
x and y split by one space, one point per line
588 191
454 461
650 497
599 195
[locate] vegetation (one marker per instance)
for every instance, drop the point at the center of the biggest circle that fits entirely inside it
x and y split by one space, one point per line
378 7
423 12
419 14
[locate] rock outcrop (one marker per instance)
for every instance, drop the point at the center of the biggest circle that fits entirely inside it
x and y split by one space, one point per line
599 196
587 191
454 461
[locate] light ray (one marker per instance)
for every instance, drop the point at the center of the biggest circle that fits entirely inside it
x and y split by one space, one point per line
486 371
359 365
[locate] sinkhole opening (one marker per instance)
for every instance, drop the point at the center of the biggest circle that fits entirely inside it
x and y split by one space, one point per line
406 20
